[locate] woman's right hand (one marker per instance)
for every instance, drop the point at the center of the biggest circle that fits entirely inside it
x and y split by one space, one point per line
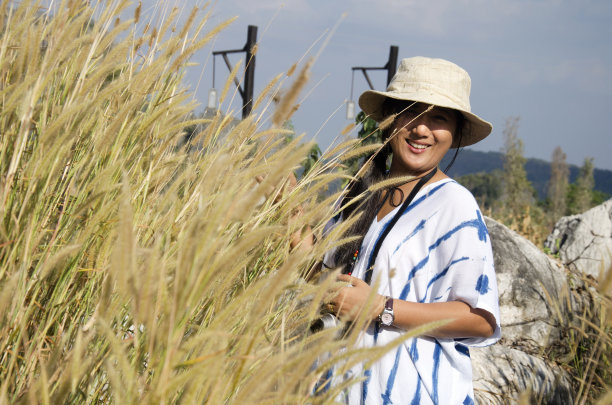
351 300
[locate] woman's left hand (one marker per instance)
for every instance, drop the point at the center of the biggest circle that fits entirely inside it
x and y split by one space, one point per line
350 301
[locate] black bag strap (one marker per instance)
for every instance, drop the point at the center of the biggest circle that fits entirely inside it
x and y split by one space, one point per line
396 217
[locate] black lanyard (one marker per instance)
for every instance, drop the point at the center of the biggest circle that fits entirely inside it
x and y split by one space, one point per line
396 217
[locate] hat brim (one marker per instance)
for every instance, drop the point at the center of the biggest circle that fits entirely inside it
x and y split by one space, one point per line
475 129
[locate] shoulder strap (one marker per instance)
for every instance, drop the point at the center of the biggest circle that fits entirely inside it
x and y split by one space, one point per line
391 224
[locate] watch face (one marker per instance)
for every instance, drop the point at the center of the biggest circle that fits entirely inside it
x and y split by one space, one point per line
386 319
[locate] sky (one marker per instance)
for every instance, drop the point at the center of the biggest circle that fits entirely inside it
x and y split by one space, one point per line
545 61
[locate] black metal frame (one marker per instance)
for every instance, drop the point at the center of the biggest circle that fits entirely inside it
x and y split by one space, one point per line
249 69
390 67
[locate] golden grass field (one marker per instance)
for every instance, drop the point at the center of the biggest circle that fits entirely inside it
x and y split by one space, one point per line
138 269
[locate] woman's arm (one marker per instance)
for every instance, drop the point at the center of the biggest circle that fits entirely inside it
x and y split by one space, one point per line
466 321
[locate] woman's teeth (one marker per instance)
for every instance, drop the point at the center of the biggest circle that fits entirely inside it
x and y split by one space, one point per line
416 145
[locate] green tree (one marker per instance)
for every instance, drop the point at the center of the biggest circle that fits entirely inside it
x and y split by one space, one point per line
580 196
484 186
369 134
313 156
558 185
517 192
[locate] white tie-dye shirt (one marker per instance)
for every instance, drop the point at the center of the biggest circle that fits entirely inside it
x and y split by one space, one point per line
439 250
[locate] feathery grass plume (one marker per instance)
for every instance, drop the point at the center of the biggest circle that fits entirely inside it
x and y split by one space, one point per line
387 122
348 128
361 150
228 82
288 103
391 182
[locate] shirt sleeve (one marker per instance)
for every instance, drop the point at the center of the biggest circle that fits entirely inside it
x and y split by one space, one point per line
466 269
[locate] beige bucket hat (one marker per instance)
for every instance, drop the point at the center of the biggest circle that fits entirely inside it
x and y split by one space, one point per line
430 81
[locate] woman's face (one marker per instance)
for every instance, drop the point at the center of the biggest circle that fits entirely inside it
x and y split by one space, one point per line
421 138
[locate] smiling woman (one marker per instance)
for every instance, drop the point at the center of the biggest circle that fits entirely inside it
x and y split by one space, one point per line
423 245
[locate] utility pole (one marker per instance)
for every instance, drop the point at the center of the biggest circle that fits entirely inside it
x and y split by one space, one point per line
249 69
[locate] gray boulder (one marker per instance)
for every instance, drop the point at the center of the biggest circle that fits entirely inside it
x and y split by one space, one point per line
530 285
584 242
504 375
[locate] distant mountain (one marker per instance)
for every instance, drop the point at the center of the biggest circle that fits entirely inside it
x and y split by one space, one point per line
538 171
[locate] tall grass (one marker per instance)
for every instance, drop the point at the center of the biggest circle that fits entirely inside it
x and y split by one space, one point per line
132 269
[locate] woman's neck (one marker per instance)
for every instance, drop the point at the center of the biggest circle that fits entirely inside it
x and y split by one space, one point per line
407 187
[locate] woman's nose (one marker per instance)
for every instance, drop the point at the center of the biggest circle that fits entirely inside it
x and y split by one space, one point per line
421 127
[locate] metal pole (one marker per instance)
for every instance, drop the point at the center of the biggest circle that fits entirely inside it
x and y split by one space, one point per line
392 63
249 71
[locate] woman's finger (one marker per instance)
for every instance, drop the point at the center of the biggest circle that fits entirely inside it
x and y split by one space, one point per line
345 278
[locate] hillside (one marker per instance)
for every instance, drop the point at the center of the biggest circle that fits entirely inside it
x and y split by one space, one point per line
538 171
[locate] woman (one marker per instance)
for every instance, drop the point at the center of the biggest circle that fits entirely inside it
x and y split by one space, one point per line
428 254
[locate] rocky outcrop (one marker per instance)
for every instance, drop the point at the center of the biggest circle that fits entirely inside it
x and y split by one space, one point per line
531 290
584 242
527 280
503 374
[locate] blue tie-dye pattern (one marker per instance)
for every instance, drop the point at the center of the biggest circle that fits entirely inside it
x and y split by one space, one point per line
440 275
482 228
482 285
414 353
391 380
468 401
412 205
324 383
368 373
416 400
475 223
416 230
436 369
439 297
364 386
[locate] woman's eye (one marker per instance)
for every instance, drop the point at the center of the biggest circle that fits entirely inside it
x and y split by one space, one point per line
441 118
409 115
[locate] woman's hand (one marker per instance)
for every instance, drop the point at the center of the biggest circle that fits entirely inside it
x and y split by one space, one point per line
351 301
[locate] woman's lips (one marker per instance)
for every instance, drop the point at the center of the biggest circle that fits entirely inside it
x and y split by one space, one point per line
416 147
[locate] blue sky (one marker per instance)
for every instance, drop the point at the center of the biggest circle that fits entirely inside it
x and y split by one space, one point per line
546 61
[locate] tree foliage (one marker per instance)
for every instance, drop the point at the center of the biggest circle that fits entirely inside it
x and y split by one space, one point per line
558 185
486 187
517 192
368 134
580 197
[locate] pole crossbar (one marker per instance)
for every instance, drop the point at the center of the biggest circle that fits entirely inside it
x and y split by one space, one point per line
390 67
228 51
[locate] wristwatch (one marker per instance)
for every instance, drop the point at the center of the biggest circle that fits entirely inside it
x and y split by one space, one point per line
386 317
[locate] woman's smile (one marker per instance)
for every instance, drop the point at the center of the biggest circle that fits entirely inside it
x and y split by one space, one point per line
416 147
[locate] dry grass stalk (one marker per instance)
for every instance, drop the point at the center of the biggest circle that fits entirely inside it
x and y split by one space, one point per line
287 105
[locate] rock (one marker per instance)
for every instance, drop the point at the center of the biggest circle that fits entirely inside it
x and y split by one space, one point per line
503 375
584 242
529 285
532 298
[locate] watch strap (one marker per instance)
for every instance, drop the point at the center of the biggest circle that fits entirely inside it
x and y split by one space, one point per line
389 303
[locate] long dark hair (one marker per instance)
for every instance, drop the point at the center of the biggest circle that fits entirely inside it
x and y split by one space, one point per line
369 205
